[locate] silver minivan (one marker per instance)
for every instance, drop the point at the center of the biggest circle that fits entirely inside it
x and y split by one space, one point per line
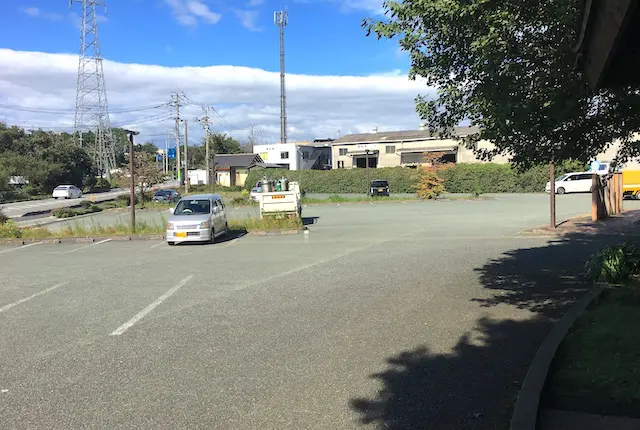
198 218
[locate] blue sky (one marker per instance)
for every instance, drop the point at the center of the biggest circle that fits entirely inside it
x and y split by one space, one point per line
222 52
323 37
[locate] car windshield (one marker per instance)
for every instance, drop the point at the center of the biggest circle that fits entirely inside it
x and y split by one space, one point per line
163 193
193 207
379 184
562 178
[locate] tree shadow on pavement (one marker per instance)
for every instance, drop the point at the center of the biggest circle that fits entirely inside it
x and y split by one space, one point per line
475 385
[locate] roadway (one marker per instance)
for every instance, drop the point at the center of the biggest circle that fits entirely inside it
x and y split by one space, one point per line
21 209
397 316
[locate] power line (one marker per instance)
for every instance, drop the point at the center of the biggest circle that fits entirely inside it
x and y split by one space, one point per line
67 111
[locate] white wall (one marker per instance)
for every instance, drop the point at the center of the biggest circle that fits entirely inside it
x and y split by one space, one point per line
272 154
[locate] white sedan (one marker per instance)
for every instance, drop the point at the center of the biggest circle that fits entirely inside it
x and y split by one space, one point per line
67 192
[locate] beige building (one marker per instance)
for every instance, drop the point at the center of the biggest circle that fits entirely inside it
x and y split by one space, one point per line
402 148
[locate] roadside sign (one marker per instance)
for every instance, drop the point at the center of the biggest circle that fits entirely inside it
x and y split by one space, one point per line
171 153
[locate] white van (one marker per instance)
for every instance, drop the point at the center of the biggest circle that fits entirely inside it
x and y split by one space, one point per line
579 182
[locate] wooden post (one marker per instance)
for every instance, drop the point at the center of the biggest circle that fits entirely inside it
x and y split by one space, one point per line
614 189
595 193
608 195
620 192
552 194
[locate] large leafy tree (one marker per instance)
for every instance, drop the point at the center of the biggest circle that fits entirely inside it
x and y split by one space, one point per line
45 159
510 68
221 143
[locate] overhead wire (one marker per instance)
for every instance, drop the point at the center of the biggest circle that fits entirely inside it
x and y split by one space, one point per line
68 111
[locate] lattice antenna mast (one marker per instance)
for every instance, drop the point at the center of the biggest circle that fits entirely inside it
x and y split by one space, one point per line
281 19
92 107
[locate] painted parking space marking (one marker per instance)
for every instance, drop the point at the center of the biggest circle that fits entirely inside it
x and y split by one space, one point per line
87 246
20 247
33 296
126 326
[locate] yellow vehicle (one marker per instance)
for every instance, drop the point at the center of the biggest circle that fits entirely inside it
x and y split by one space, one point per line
631 183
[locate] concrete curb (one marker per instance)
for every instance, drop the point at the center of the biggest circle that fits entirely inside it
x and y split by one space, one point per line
128 237
273 232
81 239
525 412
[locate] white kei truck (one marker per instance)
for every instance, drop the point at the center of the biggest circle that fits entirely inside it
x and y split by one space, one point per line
281 202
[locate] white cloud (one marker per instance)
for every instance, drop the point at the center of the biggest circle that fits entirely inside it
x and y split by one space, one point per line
317 106
190 12
39 13
248 19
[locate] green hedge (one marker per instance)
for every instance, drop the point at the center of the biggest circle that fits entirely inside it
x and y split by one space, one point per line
401 180
460 178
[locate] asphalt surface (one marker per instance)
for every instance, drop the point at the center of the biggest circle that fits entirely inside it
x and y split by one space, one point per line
20 209
396 316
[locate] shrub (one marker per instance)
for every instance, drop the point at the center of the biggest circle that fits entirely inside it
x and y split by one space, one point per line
339 180
3 217
430 185
63 213
10 230
615 264
124 200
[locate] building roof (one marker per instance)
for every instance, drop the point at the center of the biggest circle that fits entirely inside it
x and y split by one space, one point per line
226 161
398 136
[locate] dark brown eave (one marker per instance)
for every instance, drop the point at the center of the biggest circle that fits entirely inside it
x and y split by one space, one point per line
609 43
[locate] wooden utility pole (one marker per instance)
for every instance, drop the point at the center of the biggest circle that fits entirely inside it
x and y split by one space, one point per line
552 193
132 182
186 157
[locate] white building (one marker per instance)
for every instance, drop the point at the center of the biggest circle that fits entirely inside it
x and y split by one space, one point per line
296 156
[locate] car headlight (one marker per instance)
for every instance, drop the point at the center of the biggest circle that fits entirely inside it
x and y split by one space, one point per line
205 224
170 226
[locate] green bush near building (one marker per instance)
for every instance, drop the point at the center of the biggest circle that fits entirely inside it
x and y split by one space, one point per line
460 178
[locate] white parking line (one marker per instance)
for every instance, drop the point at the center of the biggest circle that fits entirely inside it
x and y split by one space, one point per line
21 247
157 245
87 246
33 296
126 326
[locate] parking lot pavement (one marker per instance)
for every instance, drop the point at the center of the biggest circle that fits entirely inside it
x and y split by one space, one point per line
279 332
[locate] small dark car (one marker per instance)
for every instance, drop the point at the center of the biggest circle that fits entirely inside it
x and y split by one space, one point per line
379 188
166 196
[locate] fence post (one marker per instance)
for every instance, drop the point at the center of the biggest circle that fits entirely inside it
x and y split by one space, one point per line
595 192
620 192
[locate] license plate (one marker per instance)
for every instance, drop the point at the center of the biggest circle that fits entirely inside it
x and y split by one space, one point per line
277 197
181 234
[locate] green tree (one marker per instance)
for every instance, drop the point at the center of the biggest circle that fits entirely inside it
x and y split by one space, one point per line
510 68
223 144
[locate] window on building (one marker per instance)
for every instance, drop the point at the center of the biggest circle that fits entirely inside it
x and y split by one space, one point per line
390 149
284 155
340 164
305 155
343 151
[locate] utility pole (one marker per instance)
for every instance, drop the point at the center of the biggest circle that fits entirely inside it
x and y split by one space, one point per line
132 182
366 164
281 19
186 157
211 177
175 102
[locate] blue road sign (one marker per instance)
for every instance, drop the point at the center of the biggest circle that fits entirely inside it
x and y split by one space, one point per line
171 153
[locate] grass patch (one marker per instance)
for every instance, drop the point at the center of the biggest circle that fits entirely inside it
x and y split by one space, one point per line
596 367
85 209
267 223
78 230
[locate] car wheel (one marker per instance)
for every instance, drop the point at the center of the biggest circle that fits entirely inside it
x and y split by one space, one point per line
560 190
213 236
637 195
171 243
226 229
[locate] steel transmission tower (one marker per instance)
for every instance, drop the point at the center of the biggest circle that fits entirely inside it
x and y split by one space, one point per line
92 109
281 19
